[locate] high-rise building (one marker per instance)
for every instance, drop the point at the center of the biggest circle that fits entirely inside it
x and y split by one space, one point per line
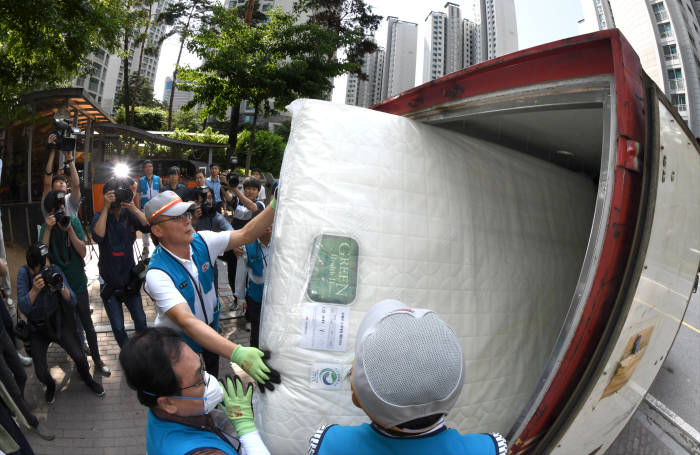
453 38
400 57
471 43
104 72
666 36
450 43
499 31
365 93
434 52
181 97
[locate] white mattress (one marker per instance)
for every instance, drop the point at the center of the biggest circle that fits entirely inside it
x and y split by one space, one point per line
491 239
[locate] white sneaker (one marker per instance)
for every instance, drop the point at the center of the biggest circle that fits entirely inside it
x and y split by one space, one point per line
10 303
247 326
26 361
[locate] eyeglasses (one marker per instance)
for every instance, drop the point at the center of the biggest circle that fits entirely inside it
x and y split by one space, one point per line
185 216
202 371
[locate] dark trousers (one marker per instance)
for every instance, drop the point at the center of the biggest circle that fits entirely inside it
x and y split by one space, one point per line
253 316
13 376
83 309
8 423
115 313
231 261
69 341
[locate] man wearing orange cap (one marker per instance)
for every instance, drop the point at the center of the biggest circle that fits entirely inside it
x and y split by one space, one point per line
180 280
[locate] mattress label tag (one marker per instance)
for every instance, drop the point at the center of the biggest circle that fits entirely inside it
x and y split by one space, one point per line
327 376
325 327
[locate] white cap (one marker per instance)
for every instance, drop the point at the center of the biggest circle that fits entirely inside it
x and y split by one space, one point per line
408 364
166 203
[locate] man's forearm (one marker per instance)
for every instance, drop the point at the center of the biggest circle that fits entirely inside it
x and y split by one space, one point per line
78 244
101 225
140 216
74 181
46 238
48 172
247 203
254 228
208 338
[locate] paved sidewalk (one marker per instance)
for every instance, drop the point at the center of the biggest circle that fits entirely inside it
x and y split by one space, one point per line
116 423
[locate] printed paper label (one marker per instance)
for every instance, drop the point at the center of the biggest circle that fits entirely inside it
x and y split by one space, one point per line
327 376
325 327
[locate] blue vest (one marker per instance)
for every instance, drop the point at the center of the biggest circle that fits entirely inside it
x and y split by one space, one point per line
257 265
171 438
341 440
143 188
162 260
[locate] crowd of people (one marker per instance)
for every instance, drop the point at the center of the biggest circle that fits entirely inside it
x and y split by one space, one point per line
173 361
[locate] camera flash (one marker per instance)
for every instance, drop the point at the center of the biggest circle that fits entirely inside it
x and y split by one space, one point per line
121 170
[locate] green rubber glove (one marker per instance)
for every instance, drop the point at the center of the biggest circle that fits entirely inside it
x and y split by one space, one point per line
250 359
273 203
238 405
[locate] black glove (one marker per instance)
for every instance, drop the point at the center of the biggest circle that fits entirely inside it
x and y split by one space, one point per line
274 375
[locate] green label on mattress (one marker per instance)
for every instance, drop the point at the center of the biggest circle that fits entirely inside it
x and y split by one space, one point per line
334 274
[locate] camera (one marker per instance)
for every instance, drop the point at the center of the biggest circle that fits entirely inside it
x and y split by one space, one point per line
65 135
138 275
51 277
123 192
207 207
232 179
61 218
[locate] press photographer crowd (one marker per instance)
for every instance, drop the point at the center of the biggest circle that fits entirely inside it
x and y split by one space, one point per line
172 362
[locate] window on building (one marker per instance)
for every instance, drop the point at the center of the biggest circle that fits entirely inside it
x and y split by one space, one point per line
678 100
94 84
80 81
670 52
659 11
665 30
675 79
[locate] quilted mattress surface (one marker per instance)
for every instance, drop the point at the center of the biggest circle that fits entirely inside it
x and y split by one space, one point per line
374 206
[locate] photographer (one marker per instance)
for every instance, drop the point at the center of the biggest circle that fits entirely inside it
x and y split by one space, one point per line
114 229
245 208
60 182
66 241
208 218
214 182
47 300
192 193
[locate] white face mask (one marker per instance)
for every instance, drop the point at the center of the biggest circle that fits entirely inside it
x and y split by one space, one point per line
213 395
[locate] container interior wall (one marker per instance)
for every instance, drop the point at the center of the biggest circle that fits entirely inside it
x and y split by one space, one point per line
484 220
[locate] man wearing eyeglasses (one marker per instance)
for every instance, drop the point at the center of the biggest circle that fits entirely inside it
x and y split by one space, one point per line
170 379
180 280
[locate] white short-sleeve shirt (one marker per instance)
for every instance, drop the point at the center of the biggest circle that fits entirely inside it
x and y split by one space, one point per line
163 291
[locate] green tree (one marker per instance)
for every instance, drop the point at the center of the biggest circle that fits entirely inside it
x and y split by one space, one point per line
146 118
142 95
185 18
352 23
44 42
277 60
188 120
268 150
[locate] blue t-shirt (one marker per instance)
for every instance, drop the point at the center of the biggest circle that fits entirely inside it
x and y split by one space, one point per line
215 186
116 247
368 440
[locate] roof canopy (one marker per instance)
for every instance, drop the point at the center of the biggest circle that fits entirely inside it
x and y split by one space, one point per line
75 100
113 128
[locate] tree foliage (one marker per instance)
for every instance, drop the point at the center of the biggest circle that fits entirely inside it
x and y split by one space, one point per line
276 61
146 118
44 42
184 17
352 23
268 150
142 95
188 120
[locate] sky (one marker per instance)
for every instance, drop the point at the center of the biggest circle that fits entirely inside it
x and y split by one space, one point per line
538 21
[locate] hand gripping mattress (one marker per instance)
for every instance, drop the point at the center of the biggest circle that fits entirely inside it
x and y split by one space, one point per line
374 206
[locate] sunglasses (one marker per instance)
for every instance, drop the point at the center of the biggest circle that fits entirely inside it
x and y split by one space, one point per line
185 216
